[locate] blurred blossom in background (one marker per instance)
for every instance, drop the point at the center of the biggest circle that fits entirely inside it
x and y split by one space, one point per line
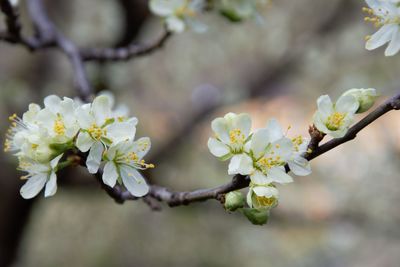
344 214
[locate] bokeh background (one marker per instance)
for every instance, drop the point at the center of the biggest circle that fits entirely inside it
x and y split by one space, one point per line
345 214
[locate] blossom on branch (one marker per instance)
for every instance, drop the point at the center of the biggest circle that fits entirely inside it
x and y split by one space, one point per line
179 14
65 127
384 14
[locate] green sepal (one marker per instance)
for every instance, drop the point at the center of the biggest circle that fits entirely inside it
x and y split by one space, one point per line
231 15
257 216
226 157
62 147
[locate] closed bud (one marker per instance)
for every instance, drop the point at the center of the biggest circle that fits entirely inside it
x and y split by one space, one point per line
256 216
365 97
234 200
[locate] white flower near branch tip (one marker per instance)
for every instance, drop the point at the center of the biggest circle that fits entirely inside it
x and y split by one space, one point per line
385 15
39 175
335 119
179 14
122 163
100 129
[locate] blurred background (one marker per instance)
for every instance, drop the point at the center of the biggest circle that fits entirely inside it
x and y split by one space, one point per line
345 214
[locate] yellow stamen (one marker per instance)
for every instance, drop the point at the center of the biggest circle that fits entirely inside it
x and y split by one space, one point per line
335 120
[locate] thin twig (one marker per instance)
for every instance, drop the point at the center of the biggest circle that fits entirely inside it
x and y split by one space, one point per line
239 181
124 53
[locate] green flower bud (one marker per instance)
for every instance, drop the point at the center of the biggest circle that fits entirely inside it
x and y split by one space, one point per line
256 216
234 200
365 97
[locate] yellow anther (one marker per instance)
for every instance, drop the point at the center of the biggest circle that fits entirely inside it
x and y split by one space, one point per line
335 120
12 117
265 201
34 146
7 145
367 37
236 136
277 145
59 127
95 131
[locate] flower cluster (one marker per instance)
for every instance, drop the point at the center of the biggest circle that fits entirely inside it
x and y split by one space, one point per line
385 15
335 119
261 155
45 138
181 14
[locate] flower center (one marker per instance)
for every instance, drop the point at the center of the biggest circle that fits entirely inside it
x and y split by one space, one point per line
265 201
266 163
184 10
59 127
335 120
95 131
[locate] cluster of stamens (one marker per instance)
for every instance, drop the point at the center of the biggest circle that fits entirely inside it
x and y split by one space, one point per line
96 132
335 120
59 127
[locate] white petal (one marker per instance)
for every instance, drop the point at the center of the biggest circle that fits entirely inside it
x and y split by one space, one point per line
162 8
134 181
94 158
121 131
259 142
265 191
33 186
300 166
249 197
325 106
220 128
52 102
279 175
84 141
259 178
101 108
382 36
394 45
347 104
51 185
217 148
319 123
240 164
54 162
84 116
243 123
110 174
141 146
175 24
275 130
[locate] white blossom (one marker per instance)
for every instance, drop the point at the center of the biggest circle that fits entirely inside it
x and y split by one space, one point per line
385 15
39 175
122 163
335 119
231 134
98 129
179 14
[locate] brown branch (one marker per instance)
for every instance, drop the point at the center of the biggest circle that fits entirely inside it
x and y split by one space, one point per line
239 181
124 53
